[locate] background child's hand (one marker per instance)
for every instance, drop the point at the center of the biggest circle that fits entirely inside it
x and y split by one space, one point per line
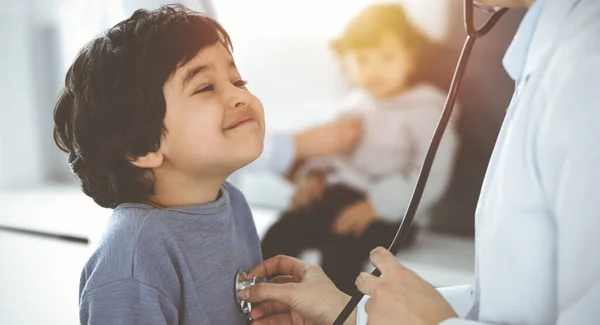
337 137
355 219
309 191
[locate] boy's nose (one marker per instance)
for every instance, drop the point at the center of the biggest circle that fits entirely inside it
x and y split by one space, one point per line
237 97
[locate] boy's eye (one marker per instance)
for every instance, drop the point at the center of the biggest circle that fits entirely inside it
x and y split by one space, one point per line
204 89
241 83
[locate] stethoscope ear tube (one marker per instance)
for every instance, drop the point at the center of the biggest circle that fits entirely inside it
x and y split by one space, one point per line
472 34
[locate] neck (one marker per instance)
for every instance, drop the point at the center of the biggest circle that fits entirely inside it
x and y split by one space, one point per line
177 189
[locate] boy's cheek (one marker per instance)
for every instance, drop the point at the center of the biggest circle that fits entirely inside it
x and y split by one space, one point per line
190 137
260 113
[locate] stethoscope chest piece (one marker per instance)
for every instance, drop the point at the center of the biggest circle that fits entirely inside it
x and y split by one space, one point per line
242 282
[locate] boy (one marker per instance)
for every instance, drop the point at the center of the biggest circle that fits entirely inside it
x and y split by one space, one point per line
349 204
155 116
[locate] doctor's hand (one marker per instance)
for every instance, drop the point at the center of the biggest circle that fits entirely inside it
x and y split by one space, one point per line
355 219
311 298
400 296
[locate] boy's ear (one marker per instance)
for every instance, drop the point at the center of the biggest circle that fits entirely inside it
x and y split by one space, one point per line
149 161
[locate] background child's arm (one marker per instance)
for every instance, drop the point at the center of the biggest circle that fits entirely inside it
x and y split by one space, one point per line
325 164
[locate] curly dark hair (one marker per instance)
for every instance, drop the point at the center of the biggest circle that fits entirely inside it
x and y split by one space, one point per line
112 107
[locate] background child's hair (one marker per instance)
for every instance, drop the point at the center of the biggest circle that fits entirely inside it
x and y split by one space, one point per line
366 29
112 107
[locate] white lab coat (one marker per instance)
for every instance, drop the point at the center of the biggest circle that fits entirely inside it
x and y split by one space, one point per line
538 218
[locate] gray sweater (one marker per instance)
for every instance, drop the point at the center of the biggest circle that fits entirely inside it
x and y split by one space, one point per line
170 266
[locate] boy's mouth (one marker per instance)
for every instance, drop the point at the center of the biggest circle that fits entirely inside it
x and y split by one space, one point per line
241 120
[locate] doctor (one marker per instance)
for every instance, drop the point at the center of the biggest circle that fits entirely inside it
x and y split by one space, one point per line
538 219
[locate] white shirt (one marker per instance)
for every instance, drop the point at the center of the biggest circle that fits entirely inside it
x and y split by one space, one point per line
386 163
538 219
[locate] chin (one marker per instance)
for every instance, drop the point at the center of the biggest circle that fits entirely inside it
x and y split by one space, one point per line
248 153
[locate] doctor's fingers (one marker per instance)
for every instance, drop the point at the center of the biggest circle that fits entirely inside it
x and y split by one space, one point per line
279 319
385 306
261 292
282 279
282 265
268 308
382 259
368 284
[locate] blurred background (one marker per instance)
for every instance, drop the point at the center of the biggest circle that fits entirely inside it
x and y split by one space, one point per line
48 227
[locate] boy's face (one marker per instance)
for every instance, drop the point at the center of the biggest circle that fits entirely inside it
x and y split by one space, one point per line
383 70
214 124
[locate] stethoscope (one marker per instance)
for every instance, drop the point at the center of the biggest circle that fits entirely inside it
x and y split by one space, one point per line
241 282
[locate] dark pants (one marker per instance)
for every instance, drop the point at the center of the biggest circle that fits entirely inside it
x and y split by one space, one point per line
343 257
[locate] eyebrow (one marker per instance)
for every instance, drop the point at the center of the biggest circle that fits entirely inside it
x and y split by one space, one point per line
192 72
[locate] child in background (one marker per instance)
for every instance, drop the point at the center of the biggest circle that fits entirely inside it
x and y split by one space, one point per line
155 116
347 205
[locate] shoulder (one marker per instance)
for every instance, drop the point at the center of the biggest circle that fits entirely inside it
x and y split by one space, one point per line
135 240
112 258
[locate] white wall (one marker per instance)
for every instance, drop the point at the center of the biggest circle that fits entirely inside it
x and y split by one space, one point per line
19 141
320 18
